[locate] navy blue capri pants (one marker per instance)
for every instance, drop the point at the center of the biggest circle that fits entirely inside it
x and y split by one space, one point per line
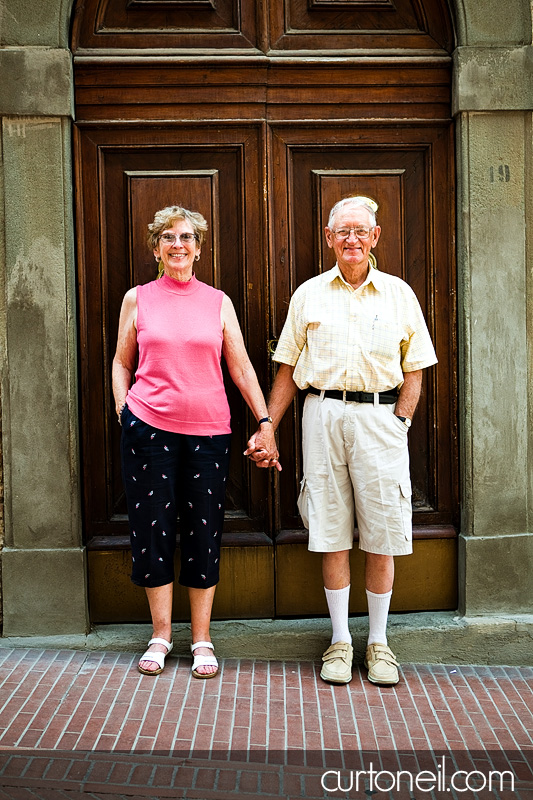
166 475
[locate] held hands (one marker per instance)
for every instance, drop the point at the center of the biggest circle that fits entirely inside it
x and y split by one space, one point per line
262 449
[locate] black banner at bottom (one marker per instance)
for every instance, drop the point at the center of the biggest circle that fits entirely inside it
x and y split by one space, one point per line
266 774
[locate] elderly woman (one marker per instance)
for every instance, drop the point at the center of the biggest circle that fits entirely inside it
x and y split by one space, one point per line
176 429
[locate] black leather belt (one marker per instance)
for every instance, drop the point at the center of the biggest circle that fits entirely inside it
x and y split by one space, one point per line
390 396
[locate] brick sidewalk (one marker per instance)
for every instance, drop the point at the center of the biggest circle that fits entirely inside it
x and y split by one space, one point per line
87 725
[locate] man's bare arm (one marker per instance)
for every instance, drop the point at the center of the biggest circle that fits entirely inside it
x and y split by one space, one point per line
409 394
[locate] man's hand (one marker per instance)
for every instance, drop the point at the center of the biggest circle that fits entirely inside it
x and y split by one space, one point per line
262 449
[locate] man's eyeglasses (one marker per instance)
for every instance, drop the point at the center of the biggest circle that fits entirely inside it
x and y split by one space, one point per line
361 231
171 238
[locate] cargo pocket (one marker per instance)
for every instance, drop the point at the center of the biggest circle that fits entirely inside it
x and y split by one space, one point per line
303 502
406 509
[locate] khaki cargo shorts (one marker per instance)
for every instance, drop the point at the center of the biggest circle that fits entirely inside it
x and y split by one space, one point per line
356 466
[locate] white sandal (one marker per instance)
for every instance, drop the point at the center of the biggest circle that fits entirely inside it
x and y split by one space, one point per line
203 661
157 658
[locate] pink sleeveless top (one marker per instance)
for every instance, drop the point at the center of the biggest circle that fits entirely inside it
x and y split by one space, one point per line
178 384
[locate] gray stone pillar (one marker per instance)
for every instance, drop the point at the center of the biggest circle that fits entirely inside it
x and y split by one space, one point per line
43 560
493 99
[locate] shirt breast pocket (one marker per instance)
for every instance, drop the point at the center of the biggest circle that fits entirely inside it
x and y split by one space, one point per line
384 339
323 336
316 327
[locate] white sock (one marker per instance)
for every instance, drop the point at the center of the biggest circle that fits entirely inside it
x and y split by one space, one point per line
338 601
378 611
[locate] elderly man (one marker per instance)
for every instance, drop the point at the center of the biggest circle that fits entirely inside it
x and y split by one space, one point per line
356 340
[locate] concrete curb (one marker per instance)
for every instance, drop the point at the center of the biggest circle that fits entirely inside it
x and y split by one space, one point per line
423 638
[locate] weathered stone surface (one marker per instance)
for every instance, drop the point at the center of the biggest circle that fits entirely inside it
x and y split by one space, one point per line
498 572
491 22
424 638
45 591
28 23
40 399
493 313
39 83
493 79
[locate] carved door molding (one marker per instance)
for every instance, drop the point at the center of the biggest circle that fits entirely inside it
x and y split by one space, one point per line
320 26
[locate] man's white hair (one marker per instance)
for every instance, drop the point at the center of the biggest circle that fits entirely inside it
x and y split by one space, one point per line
353 202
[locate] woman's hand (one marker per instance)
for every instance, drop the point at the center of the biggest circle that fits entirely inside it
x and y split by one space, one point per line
124 360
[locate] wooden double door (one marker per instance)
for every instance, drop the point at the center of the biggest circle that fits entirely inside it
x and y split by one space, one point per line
263 141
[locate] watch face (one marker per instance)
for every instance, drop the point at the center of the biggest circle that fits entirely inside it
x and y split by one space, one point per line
406 421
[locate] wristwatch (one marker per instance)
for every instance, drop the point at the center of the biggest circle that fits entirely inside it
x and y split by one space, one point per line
265 419
405 420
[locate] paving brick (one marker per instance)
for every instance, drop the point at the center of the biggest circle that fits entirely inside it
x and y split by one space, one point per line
249 782
260 673
269 783
310 716
367 737
120 773
106 742
294 731
260 698
242 711
258 729
313 741
144 744
239 738
401 736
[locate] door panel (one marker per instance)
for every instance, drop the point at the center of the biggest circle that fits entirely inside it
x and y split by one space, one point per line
409 175
165 24
407 180
136 176
358 24
424 581
124 176
145 192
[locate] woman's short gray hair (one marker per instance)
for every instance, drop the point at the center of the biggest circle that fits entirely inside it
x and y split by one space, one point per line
168 216
354 202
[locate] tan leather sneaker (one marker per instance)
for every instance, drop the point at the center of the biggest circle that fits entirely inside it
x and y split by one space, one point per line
381 664
337 667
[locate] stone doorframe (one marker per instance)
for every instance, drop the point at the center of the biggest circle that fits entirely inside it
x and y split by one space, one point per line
43 559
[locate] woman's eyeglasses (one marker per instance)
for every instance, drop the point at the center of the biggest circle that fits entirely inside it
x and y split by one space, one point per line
171 238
